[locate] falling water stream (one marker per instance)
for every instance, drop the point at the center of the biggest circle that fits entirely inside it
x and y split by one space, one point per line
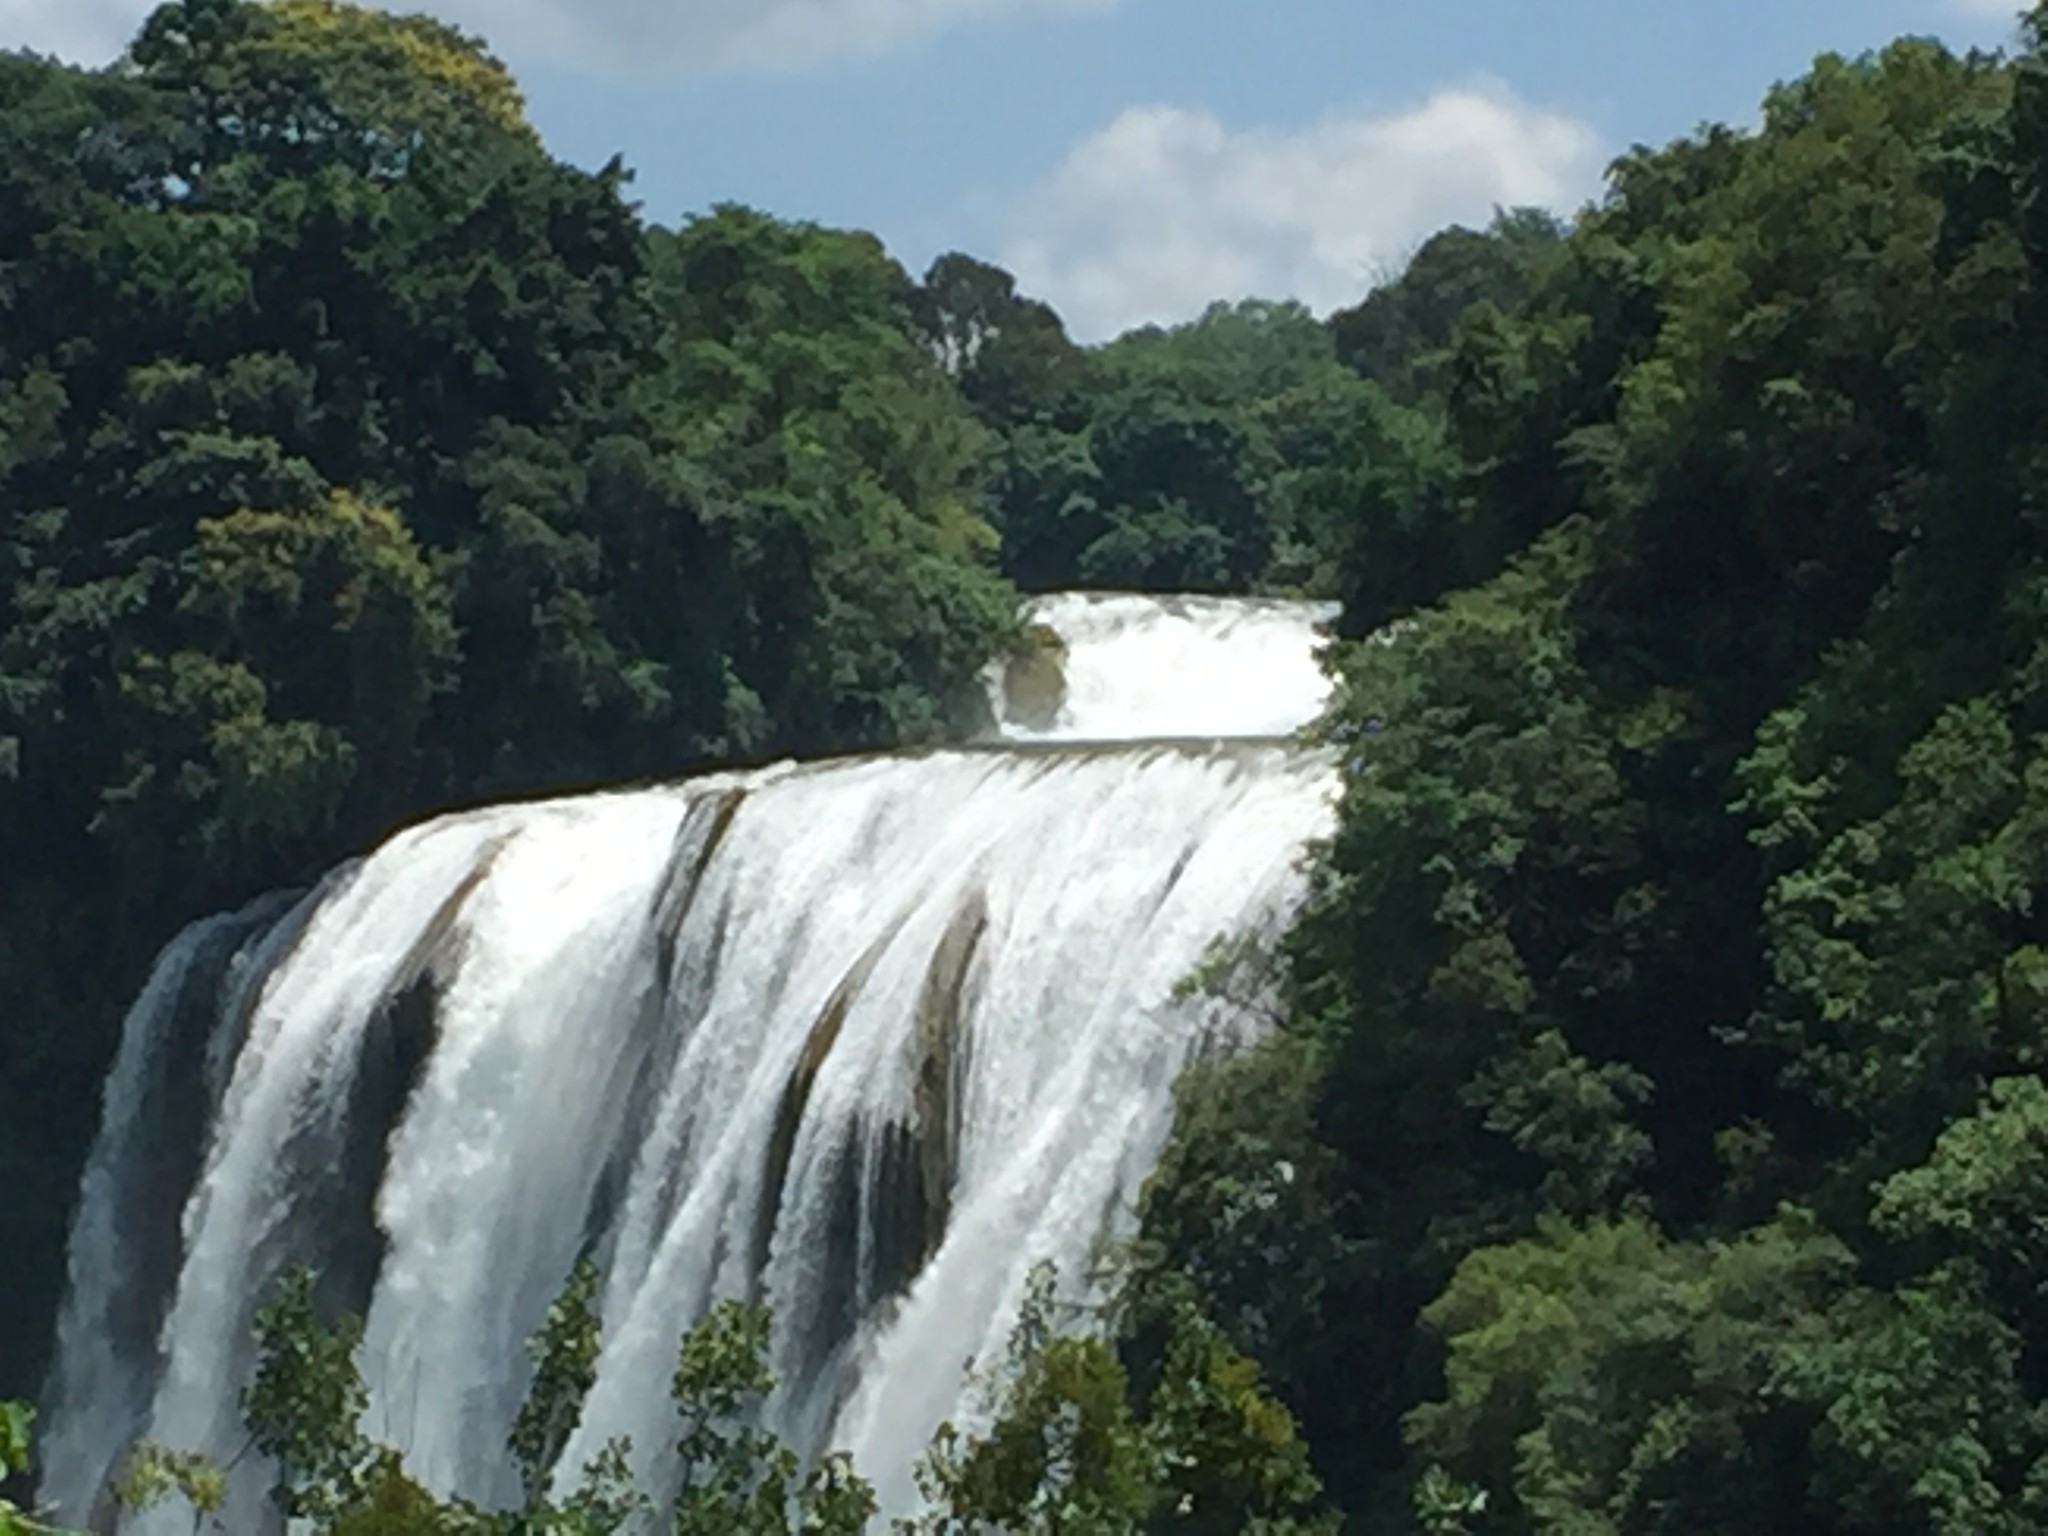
864 1039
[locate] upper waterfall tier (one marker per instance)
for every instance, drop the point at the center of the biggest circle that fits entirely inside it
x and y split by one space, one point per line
1119 666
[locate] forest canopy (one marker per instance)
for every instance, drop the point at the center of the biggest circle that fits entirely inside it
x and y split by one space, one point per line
1656 1134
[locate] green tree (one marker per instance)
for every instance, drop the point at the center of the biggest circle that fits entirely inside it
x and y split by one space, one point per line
737 1477
1073 1445
16 1421
1400 331
820 446
1009 354
305 1403
306 1400
564 1352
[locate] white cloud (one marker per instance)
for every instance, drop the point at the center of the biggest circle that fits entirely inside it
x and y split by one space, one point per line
84 31
1166 209
679 36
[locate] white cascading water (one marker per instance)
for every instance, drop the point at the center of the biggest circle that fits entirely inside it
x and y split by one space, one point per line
1124 667
865 1039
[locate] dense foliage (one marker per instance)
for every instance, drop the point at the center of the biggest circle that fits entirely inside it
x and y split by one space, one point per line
1656 1140
1179 460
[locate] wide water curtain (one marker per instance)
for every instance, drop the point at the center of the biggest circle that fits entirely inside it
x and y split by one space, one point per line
865 1039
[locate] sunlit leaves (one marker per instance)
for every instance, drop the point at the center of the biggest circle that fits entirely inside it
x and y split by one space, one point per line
564 1352
155 1474
428 54
1984 1187
736 1476
306 1401
288 85
16 1421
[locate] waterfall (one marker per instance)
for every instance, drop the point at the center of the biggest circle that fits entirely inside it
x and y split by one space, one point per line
863 1039
1112 666
166 1084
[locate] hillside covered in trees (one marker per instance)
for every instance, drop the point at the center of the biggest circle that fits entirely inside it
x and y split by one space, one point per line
1660 1111
1656 1136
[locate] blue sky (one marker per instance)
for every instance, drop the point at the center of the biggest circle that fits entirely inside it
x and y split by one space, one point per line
1132 159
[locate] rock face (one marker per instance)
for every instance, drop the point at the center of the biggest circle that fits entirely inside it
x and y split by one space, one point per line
1035 680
